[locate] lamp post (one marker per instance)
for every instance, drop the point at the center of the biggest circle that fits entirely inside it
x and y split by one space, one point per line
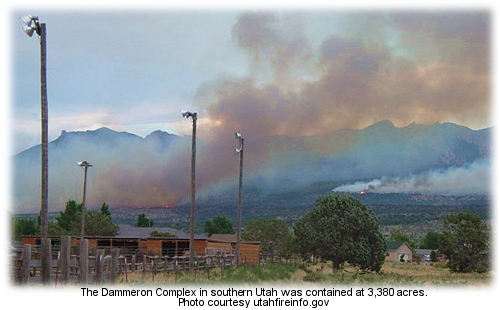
240 197
83 243
194 116
33 25
85 165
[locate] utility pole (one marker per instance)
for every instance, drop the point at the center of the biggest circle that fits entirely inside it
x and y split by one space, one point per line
85 166
83 242
194 116
32 25
46 255
240 198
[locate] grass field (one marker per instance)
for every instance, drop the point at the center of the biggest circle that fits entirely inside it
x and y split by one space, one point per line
427 274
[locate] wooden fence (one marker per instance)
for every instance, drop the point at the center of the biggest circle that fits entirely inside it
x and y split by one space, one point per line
104 266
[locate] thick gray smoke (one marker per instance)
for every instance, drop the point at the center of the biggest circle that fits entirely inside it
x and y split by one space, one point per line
299 87
471 179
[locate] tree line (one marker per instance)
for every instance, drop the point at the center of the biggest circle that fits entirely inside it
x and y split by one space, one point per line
68 223
342 230
339 228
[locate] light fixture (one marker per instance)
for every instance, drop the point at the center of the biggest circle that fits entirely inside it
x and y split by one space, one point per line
84 164
239 137
28 28
187 114
29 19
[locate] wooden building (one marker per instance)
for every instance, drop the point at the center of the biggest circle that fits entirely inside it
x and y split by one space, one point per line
249 250
161 246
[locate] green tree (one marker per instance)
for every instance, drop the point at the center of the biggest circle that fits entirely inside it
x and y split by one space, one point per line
71 214
56 230
341 229
465 241
219 225
99 224
274 235
433 256
143 221
162 234
24 227
105 209
399 236
430 241
96 223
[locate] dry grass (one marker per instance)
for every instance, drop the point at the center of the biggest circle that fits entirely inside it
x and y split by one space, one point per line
406 274
436 274
400 274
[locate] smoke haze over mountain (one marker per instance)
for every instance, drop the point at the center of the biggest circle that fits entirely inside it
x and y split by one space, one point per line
155 171
306 91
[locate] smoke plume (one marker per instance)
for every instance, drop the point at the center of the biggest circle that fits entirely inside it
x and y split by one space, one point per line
295 88
471 179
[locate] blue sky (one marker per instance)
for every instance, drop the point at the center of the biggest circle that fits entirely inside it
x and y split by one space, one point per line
135 69
128 70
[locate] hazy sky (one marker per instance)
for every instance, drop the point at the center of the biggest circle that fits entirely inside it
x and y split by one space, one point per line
269 72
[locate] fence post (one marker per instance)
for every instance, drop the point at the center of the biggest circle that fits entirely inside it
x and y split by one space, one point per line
84 261
120 266
207 267
98 265
153 268
132 264
115 254
48 246
65 258
222 262
25 271
175 268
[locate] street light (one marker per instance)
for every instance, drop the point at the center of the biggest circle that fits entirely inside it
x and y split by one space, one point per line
83 243
194 116
28 28
85 165
32 25
240 197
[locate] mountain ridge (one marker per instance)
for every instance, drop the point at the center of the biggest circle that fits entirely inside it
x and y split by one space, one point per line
154 170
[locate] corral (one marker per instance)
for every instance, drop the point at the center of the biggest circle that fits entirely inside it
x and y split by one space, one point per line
107 257
162 246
